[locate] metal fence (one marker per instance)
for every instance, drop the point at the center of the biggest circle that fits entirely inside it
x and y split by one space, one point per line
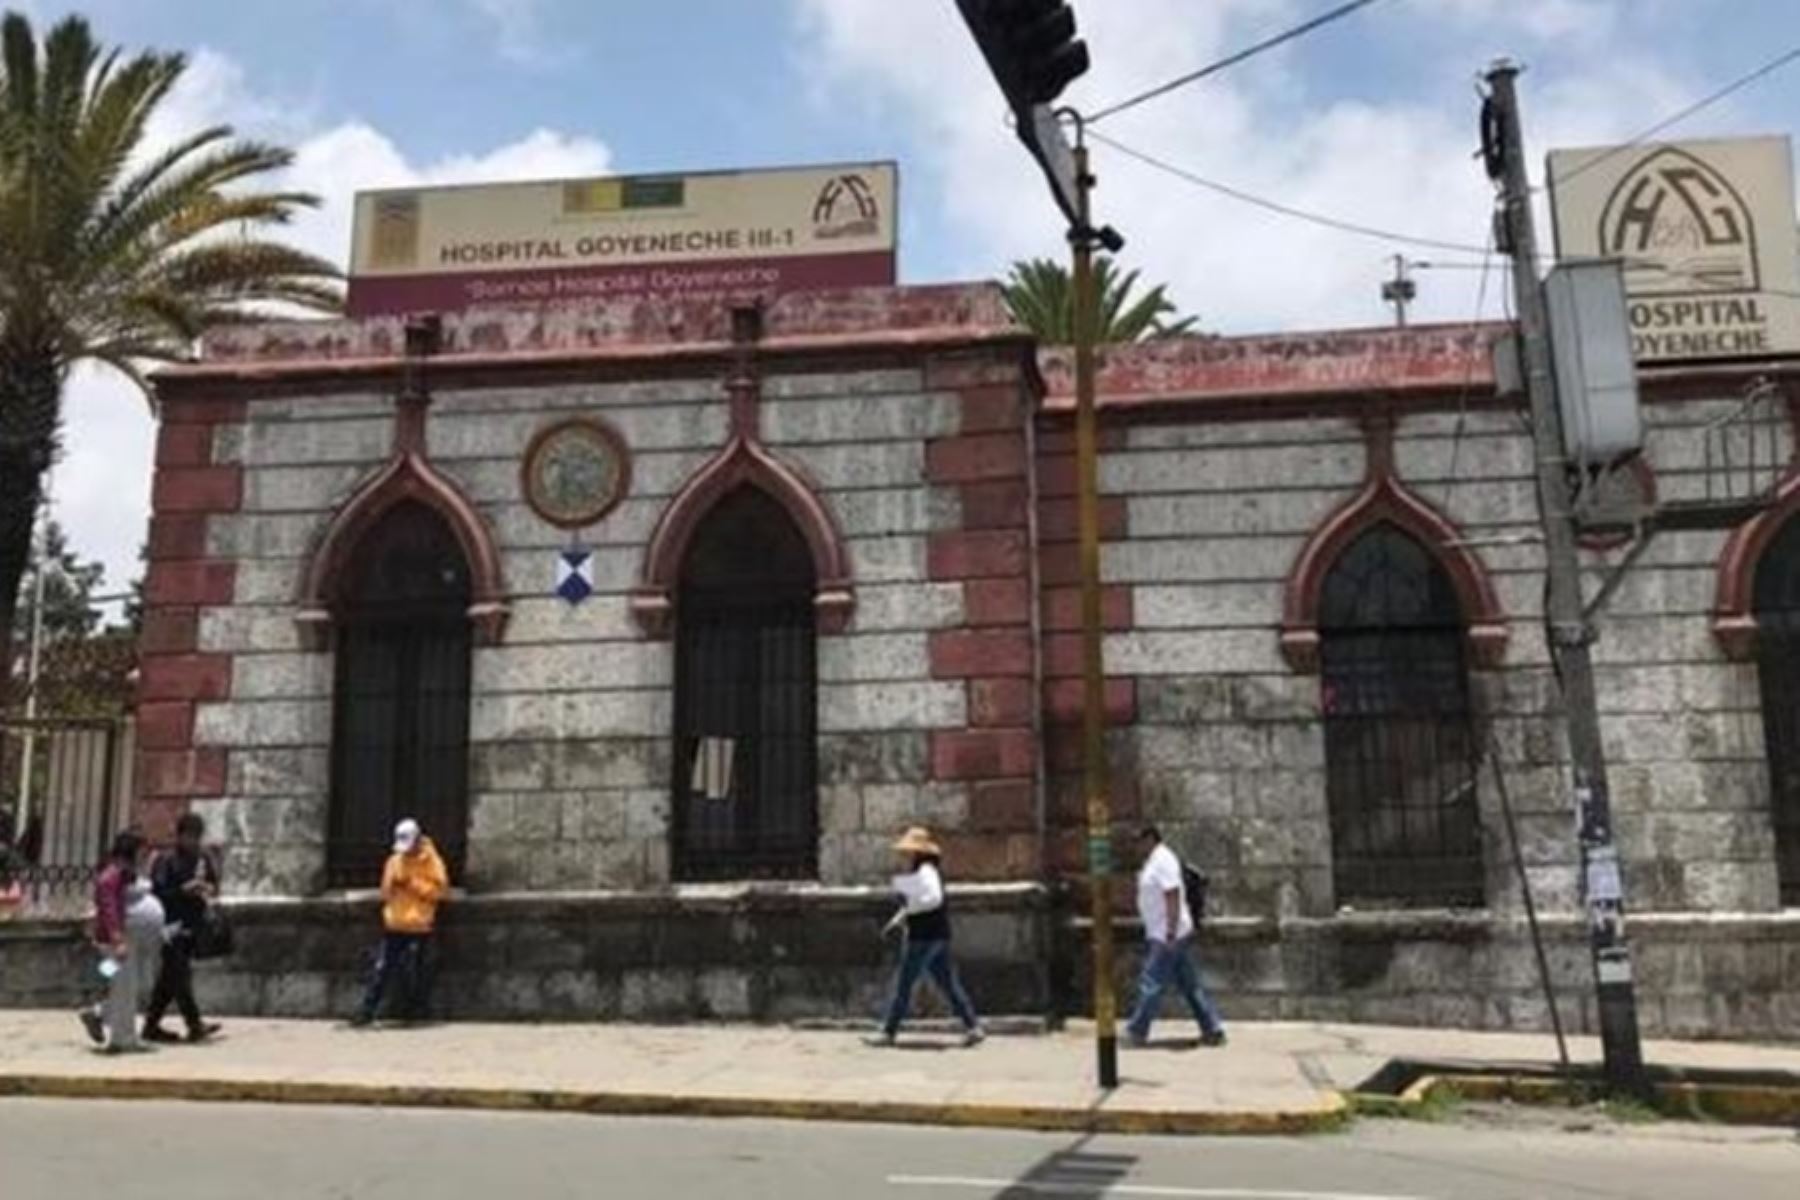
65 788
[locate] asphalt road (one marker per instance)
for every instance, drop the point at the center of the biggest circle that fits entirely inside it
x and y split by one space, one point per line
140 1150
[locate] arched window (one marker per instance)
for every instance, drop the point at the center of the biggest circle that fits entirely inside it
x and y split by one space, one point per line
746 700
400 728
1778 666
1400 752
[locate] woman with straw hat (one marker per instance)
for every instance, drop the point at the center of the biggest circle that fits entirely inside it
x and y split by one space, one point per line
925 916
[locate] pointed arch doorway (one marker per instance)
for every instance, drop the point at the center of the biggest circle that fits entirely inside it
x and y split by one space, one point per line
746 697
400 744
1777 608
1400 749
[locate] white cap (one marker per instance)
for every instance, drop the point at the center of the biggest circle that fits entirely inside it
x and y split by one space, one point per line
406 836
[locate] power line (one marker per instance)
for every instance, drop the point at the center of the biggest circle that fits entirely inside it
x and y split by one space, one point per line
1286 210
1342 10
1743 81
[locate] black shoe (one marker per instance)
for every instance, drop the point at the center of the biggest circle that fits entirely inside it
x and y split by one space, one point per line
879 1040
1215 1038
203 1031
156 1033
359 1021
96 1028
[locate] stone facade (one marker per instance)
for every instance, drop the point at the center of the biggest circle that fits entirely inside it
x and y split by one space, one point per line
1223 464
923 700
932 445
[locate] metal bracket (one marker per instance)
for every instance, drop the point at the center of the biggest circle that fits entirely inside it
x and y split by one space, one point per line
1646 531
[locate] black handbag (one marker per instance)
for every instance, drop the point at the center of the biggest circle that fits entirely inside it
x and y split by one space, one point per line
213 939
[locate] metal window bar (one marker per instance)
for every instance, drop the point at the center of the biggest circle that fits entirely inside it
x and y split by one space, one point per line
1401 756
1745 456
1777 595
79 784
1401 771
400 728
746 671
1745 452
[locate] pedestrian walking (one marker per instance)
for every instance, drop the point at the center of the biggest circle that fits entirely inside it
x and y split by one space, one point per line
185 880
924 915
112 1023
412 884
1168 931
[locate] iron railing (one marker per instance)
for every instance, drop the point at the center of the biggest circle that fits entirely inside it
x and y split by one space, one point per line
1401 766
1777 596
1745 455
65 791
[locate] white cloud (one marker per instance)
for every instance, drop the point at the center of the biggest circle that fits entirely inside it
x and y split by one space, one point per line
519 28
101 488
1397 164
339 162
1543 20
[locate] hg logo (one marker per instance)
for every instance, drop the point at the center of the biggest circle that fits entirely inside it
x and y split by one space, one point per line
1680 226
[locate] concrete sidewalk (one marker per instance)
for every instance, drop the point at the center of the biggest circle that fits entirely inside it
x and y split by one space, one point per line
1270 1078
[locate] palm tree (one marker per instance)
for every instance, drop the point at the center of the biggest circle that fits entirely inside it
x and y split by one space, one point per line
112 252
1042 298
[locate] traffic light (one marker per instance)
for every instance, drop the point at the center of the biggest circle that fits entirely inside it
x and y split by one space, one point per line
1030 46
1032 50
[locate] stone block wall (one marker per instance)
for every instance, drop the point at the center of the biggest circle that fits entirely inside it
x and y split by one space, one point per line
1698 975
1227 747
720 953
920 455
990 655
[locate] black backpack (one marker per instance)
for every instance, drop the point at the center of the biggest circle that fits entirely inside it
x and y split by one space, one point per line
1193 885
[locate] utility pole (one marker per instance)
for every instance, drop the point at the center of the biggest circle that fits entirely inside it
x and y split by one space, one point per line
1031 48
1570 634
1399 291
1082 238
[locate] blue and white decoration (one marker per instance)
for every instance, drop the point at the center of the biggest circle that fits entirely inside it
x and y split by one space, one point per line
575 574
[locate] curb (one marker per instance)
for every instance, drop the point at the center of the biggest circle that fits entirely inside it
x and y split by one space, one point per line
1735 1104
1332 1113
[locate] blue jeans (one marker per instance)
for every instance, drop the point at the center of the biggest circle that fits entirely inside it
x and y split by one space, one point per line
402 958
933 959
1166 962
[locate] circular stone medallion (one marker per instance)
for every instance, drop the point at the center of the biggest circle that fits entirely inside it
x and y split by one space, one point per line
575 472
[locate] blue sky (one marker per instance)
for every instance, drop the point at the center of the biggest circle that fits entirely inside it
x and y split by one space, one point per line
1370 119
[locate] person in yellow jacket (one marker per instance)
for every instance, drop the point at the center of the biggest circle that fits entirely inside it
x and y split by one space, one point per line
412 884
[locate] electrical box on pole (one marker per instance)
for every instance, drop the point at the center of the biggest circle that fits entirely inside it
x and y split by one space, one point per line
1596 376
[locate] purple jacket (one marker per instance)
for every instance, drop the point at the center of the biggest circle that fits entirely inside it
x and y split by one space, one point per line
109 904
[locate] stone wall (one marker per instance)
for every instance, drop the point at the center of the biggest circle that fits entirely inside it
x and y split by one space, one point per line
1698 975
719 953
775 956
920 457
953 695
1227 750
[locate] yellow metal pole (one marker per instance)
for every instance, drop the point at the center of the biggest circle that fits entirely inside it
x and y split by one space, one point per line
1093 731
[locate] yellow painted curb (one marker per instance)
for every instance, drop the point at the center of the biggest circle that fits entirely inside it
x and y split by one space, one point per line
1331 1113
1748 1104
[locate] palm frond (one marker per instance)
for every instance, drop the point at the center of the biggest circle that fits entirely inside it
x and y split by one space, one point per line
1041 296
106 257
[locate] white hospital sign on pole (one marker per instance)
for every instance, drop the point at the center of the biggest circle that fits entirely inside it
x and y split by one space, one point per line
1706 231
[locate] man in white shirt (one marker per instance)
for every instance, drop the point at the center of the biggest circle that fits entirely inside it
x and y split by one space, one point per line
1168 928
